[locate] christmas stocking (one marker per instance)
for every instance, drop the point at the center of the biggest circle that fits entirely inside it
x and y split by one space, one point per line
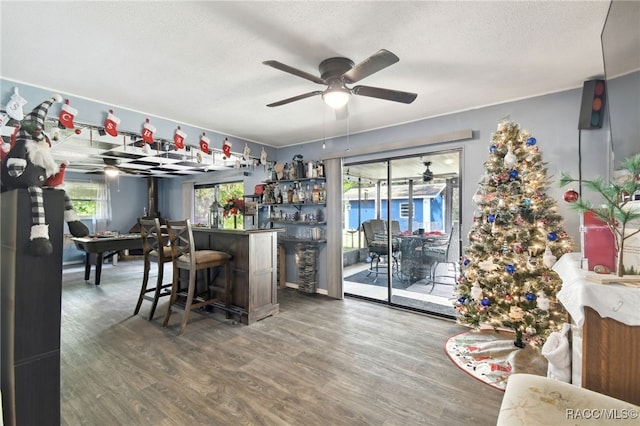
67 114
147 132
179 138
204 144
14 106
226 148
111 124
263 157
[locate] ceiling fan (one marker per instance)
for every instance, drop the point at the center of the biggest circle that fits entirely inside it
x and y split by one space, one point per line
336 73
427 176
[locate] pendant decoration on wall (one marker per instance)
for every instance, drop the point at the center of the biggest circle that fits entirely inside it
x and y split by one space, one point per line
147 132
226 148
204 143
111 124
67 115
263 157
246 152
178 138
15 104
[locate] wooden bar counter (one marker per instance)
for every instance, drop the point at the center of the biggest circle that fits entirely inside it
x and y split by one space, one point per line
254 267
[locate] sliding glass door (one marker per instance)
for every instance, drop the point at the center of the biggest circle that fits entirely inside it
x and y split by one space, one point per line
399 214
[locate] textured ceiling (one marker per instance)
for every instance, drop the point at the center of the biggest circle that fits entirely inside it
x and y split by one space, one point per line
200 63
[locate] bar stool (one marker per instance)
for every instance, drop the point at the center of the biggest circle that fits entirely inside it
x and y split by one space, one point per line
186 257
154 250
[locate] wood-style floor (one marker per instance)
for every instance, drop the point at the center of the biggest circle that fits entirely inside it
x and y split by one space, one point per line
319 362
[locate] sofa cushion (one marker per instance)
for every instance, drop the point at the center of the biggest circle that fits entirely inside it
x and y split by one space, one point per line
538 400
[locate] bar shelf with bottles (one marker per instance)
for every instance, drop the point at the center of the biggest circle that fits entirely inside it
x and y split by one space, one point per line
295 193
293 200
306 225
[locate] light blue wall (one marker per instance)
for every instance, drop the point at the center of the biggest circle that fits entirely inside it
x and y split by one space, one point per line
94 113
551 118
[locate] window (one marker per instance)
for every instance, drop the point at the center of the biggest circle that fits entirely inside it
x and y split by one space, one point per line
90 200
204 195
404 210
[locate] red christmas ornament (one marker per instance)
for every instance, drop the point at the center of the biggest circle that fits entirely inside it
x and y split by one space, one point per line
571 196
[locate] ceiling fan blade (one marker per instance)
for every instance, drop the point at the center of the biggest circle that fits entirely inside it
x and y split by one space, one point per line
374 63
342 113
286 68
296 98
388 94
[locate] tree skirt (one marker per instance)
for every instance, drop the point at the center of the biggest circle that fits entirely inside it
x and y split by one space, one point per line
491 356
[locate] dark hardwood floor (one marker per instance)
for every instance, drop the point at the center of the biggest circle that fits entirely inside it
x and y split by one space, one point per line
319 362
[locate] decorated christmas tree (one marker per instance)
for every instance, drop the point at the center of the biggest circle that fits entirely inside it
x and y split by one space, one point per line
507 281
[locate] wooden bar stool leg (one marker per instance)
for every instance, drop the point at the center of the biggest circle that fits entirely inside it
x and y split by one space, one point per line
173 297
143 290
189 302
156 294
227 289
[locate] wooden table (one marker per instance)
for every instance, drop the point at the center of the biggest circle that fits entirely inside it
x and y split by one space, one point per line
104 247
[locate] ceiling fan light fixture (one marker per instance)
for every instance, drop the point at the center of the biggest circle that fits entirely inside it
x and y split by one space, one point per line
111 171
336 96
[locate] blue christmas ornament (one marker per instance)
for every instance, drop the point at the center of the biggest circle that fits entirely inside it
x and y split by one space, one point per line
531 141
530 297
510 269
552 236
461 300
513 174
526 202
466 261
491 218
485 302
492 149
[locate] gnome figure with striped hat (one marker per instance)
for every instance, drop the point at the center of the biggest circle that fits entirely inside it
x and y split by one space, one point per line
29 164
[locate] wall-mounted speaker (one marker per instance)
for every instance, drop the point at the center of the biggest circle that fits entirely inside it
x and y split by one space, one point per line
592 105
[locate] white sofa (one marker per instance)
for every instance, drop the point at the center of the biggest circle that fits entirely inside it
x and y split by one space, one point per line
537 400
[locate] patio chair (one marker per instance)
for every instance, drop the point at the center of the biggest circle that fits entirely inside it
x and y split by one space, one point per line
443 251
375 234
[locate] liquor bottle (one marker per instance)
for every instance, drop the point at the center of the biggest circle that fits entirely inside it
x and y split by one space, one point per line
301 195
285 172
295 199
323 194
277 194
290 195
316 194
